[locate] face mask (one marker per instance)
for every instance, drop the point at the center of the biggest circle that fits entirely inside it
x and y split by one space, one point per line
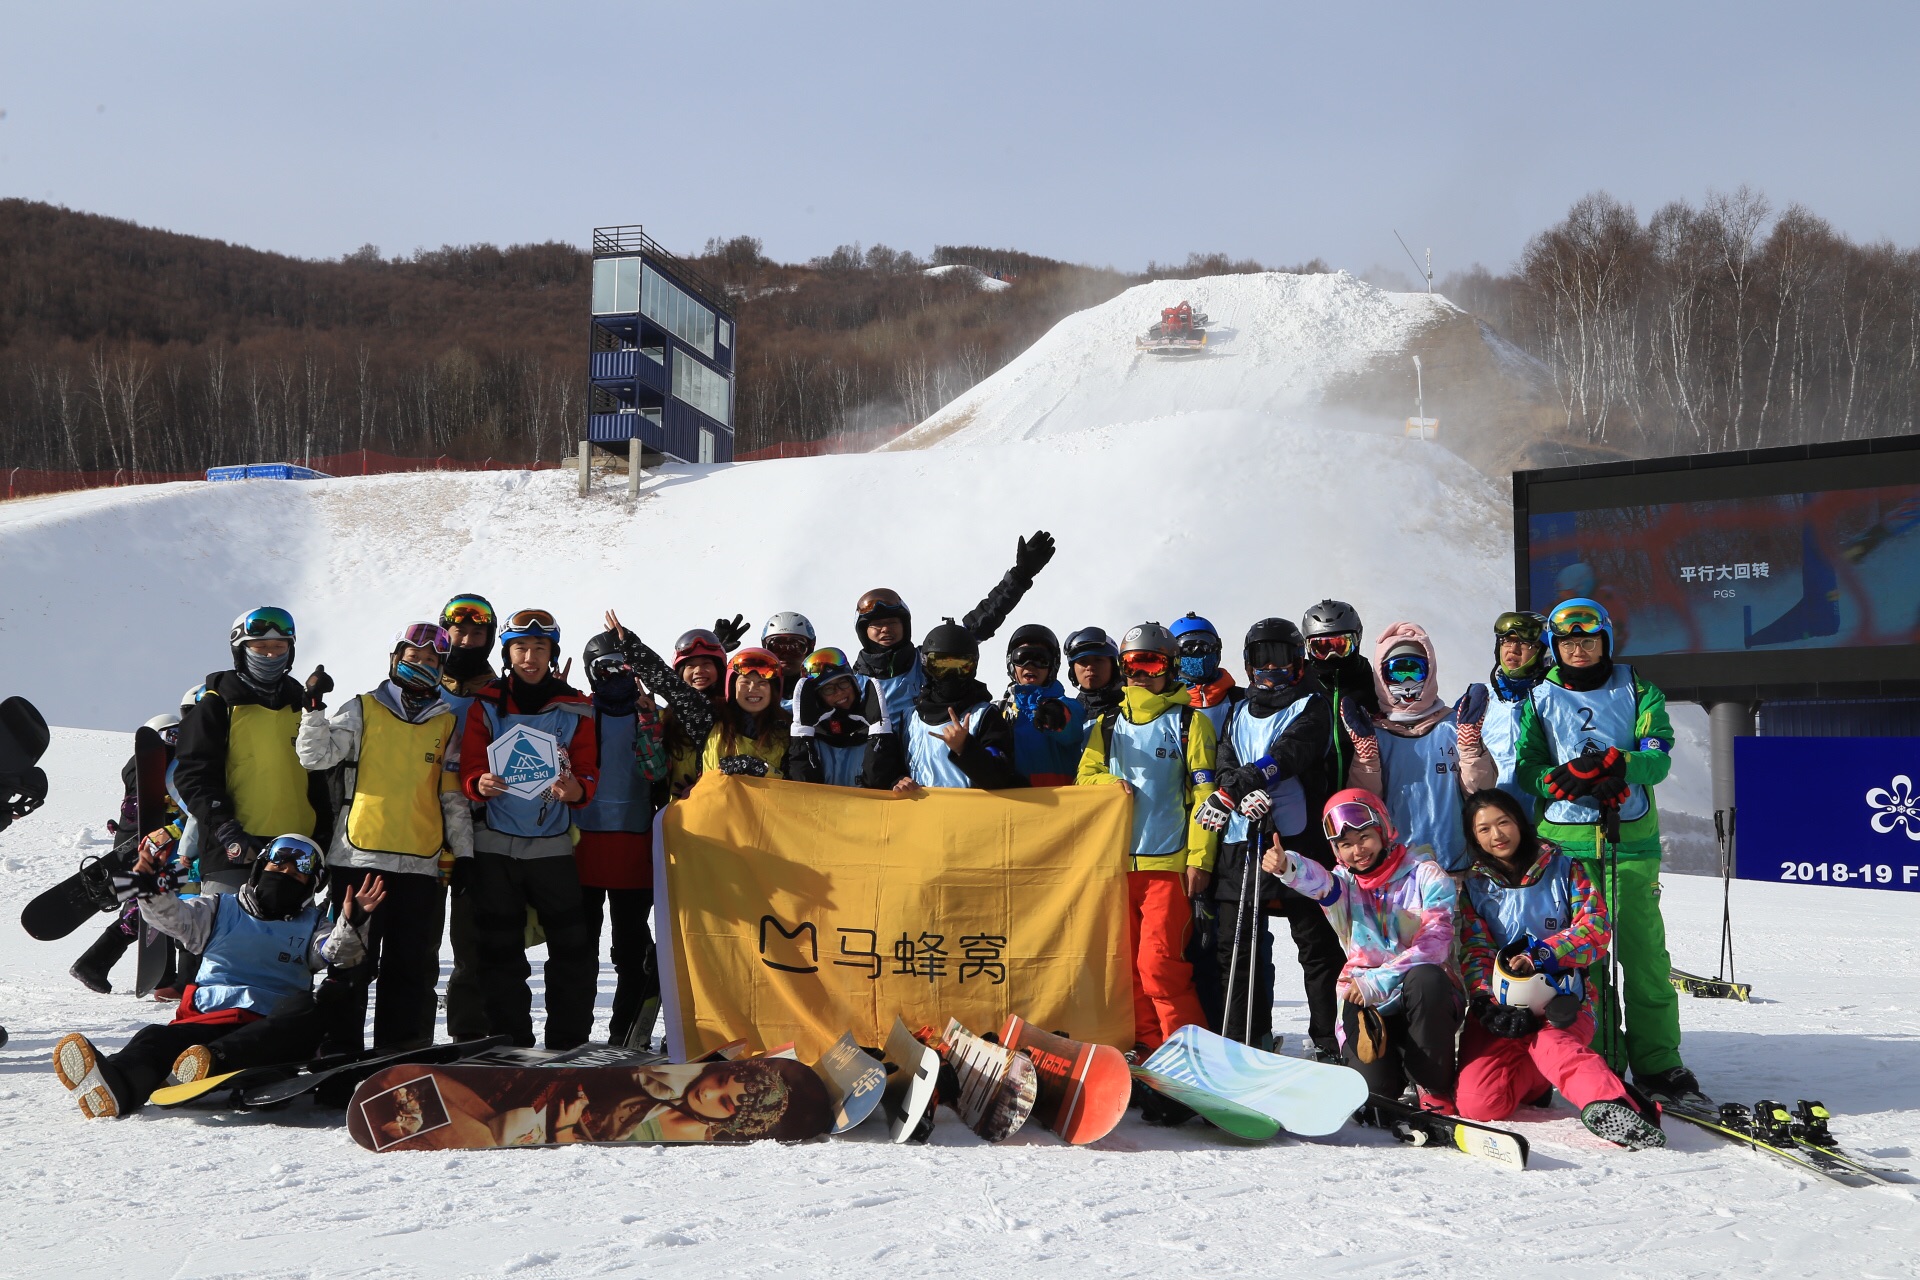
616 697
1199 668
417 679
1405 695
278 897
267 671
465 664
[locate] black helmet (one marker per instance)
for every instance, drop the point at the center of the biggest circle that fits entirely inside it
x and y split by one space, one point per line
604 645
1090 642
1331 617
950 640
1273 642
1026 639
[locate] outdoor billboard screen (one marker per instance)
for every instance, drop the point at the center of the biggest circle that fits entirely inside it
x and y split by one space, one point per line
1792 571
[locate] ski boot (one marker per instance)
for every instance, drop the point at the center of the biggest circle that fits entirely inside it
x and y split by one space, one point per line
91 970
1620 1124
1674 1087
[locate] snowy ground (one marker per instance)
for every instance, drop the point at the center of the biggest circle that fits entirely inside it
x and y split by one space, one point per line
212 1195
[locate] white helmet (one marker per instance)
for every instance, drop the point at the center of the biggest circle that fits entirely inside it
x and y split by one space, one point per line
164 721
190 697
788 623
1536 990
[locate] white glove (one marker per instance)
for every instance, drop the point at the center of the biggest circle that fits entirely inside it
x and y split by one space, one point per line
1256 804
1213 812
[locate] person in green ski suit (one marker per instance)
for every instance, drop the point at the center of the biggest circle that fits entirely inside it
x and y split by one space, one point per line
1594 740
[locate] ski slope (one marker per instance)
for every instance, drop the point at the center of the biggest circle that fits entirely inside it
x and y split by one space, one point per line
1277 344
195 1196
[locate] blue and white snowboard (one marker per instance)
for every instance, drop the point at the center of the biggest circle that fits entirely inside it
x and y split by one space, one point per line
1250 1093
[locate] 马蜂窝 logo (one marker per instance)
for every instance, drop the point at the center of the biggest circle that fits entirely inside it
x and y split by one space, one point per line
1895 805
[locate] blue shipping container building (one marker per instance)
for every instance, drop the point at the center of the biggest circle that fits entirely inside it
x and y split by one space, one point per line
661 352
265 471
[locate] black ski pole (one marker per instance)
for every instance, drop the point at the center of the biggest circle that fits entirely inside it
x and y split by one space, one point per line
1727 857
1255 925
1239 926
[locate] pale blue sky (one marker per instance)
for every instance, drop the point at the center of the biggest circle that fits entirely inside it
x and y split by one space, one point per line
1105 133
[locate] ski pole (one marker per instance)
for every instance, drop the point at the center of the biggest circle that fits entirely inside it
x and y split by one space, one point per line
1255 928
1617 1011
1239 928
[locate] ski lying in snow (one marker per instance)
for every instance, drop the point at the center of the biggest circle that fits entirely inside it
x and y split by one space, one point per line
332 1086
1431 1128
476 1105
1768 1128
226 1086
1084 1088
1709 988
913 1074
1810 1130
854 1079
1251 1093
996 1087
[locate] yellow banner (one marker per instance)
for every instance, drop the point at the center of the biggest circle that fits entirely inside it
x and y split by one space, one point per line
791 911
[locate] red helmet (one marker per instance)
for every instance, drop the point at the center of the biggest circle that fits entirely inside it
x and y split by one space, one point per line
699 643
1356 807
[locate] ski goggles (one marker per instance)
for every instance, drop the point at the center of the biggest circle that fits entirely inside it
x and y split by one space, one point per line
826 662
1199 645
1577 620
949 664
267 623
1334 647
609 665
467 611
170 735
534 622
423 635
1273 677
1146 663
1265 654
1031 655
1408 668
790 647
755 662
294 852
1348 815
1517 625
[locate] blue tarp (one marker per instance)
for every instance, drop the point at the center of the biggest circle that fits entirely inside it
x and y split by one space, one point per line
266 471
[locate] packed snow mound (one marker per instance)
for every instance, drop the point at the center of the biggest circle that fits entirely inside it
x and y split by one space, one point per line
1276 344
981 280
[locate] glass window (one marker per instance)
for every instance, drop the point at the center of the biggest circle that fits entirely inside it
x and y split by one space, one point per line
680 314
603 285
706 445
709 392
725 327
626 284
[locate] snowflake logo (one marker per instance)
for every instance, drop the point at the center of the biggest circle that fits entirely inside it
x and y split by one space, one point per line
1897 805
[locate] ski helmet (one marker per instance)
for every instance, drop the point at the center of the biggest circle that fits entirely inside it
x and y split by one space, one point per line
409 675
1356 808
1536 990
1147 647
1581 616
600 658
531 624
190 697
1034 645
167 725
1521 625
757 662
468 609
1199 646
787 623
881 602
1330 617
265 623
1090 642
952 642
297 852
1275 652
699 643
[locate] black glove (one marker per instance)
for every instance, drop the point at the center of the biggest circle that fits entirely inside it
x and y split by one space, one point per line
1033 554
1561 1011
233 839
319 685
1050 715
1508 1021
1564 784
1206 925
21 793
730 632
460 879
744 766
1609 793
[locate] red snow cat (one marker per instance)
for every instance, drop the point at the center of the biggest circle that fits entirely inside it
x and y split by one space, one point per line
1181 331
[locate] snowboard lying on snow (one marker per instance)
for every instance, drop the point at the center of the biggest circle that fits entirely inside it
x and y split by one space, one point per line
276 1083
994 1088
1250 1093
1083 1088
601 1094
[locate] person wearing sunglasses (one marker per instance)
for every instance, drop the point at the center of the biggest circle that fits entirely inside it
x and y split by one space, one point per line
952 739
1271 771
1049 728
1519 663
1594 740
1533 926
1160 750
1422 756
252 1003
238 773
522 846
93 970
884 627
471 626
829 734
1333 633
400 779
1393 911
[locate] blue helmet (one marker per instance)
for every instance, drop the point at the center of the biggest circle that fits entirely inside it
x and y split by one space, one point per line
530 624
1198 642
1580 616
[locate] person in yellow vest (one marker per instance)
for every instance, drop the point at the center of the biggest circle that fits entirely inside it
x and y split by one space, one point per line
403 806
237 771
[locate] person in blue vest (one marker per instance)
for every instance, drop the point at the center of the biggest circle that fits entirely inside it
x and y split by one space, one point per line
1271 776
1093 665
403 810
884 627
1532 927
827 742
470 624
523 849
1421 756
1049 728
1157 747
1519 663
252 1002
952 738
1594 742
1211 685
614 856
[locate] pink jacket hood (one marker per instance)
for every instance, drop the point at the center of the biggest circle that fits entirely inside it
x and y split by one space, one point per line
1392 638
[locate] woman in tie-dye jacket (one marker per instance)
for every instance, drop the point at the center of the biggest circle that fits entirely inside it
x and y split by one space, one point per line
1394 913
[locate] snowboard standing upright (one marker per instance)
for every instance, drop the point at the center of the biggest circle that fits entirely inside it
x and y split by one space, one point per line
66 906
1083 1088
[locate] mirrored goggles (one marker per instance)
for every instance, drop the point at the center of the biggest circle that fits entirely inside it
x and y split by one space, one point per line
609 665
768 671
1145 663
1408 668
1348 815
947 664
794 647
823 662
1577 620
1519 626
297 852
1334 647
262 624
424 635
467 611
1199 645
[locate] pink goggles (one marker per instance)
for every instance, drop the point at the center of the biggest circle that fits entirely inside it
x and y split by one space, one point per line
423 635
1348 815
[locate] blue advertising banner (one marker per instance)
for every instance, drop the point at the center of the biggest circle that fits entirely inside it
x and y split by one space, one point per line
1842 811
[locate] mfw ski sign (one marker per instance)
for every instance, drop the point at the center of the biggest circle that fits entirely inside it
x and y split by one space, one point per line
528 759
